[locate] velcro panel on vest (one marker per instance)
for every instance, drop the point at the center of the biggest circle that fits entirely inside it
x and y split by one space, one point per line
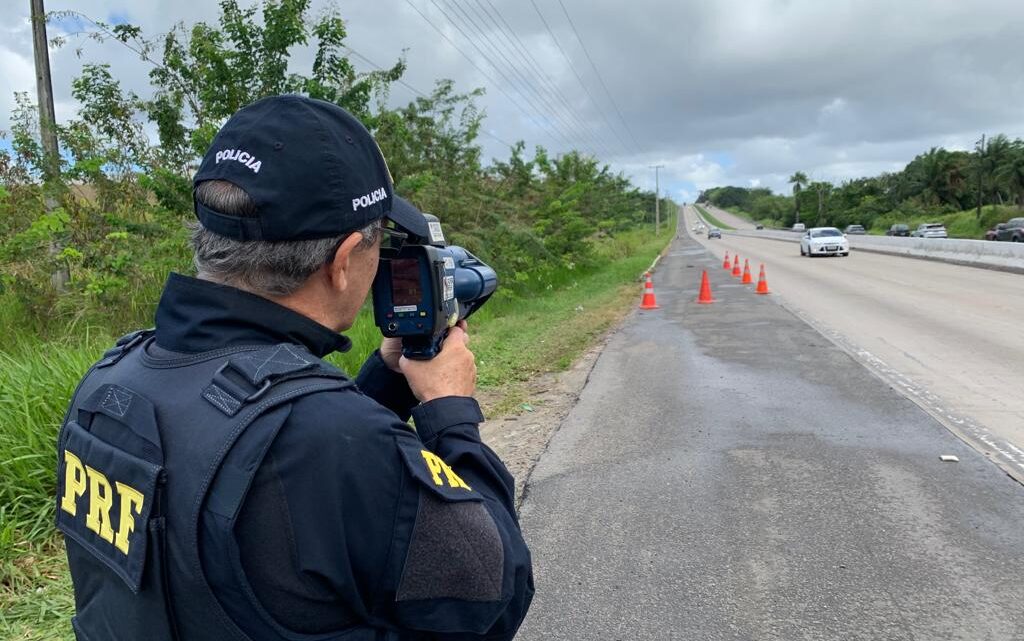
124 419
104 499
273 362
258 371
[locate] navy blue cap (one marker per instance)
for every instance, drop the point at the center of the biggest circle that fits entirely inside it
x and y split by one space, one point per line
312 169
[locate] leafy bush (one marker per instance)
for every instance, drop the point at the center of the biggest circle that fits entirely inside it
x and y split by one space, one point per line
115 222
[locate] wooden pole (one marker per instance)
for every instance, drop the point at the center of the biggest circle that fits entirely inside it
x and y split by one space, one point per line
47 129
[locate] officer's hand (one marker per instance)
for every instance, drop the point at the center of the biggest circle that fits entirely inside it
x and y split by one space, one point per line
451 373
391 352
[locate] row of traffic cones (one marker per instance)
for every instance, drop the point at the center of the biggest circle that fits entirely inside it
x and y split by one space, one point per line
762 281
704 297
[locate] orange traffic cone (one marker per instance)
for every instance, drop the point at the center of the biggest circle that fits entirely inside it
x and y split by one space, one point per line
725 264
736 265
746 273
762 283
648 301
705 290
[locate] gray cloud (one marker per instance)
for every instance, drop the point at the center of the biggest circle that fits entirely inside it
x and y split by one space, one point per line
734 91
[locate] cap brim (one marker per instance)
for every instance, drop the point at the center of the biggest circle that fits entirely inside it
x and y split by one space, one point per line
405 215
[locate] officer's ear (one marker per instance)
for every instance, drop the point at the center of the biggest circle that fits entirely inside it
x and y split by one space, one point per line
338 268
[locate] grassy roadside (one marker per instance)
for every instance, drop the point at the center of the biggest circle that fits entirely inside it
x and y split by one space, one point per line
959 224
711 219
513 339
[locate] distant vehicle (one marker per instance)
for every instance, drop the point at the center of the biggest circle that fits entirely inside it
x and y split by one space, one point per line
992 233
898 230
715 232
1012 230
799 227
930 230
824 241
759 226
855 229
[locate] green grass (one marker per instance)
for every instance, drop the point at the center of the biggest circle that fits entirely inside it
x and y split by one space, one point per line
711 219
961 224
514 339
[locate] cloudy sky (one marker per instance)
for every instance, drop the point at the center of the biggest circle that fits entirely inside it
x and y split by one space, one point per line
741 92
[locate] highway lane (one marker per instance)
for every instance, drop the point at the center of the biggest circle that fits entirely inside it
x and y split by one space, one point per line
730 219
948 336
729 473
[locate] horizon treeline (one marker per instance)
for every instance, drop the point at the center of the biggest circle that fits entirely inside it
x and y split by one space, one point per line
119 203
973 189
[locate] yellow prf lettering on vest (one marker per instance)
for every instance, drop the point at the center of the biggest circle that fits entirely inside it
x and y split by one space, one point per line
438 467
101 497
74 483
78 478
131 499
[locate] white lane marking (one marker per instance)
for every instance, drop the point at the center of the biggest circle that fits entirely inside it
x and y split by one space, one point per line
1006 455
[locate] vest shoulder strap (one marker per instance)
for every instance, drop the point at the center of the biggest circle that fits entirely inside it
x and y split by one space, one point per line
125 344
247 377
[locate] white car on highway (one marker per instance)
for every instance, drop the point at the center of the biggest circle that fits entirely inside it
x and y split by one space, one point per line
824 241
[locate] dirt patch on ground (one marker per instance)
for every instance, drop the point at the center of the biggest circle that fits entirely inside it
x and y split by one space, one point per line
520 438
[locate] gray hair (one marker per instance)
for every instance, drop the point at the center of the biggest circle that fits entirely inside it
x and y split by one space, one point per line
271 268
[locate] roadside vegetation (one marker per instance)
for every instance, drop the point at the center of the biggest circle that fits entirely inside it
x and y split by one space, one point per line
711 219
968 191
567 236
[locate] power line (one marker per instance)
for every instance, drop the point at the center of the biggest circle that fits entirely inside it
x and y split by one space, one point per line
517 72
598 74
519 81
530 62
414 89
575 73
475 66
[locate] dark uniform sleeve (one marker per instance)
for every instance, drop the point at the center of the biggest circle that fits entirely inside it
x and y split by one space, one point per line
412 531
387 387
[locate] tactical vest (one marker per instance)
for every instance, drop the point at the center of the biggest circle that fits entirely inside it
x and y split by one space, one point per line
150 448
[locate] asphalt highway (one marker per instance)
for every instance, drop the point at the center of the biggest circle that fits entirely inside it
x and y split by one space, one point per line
730 473
947 335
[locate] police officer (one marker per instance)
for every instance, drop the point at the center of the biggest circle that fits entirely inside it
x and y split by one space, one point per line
218 481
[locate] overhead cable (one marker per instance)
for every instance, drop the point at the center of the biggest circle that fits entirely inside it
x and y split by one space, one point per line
599 78
550 126
520 50
486 75
578 78
414 89
524 84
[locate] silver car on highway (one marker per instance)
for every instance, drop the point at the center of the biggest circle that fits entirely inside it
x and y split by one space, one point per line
824 241
930 230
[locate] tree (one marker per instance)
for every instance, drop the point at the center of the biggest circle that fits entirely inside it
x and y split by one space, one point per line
823 191
799 181
204 73
995 156
1011 171
938 176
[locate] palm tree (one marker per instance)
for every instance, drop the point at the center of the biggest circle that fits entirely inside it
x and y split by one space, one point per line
1011 172
799 181
824 191
938 175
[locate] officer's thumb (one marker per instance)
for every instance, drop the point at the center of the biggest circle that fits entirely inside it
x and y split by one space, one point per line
458 334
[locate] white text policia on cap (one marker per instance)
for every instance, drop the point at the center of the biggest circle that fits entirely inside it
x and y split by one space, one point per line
374 196
243 157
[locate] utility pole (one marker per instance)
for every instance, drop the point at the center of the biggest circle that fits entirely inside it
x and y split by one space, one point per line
657 200
981 172
44 89
47 128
